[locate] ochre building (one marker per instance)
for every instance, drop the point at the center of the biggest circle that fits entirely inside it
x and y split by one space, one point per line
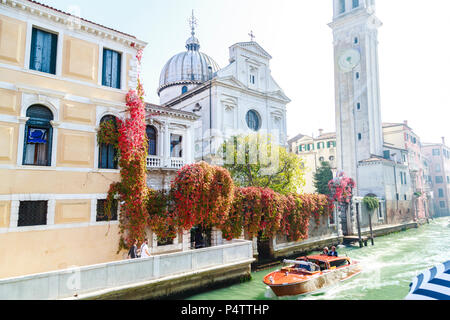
60 76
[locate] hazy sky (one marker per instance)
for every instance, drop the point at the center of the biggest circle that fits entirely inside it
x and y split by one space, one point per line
414 51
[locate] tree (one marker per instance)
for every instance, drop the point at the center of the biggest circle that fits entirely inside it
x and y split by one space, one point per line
322 177
256 161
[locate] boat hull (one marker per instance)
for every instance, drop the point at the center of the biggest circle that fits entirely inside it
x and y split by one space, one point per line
316 282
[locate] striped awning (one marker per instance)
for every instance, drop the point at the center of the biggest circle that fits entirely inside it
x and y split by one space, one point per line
433 284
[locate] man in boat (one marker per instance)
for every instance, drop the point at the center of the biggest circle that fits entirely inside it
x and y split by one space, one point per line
325 251
333 252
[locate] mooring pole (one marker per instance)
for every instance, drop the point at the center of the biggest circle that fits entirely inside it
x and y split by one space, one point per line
371 230
359 226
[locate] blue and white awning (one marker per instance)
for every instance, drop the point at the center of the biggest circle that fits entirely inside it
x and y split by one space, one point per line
433 284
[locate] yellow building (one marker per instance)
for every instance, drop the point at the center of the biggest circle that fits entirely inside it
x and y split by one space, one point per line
59 77
314 151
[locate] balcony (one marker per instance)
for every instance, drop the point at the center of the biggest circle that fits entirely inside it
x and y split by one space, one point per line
155 162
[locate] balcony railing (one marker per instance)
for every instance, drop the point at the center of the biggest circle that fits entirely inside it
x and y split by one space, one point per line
154 162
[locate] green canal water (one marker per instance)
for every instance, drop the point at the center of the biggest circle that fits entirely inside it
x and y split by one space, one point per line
388 268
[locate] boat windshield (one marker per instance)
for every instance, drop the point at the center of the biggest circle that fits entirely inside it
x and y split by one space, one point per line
321 264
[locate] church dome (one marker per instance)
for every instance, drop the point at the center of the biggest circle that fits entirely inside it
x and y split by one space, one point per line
188 67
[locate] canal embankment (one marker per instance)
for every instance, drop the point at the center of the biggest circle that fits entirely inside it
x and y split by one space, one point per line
157 277
288 250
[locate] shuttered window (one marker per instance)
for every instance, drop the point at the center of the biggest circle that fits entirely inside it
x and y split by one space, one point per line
43 51
151 135
107 153
111 68
101 214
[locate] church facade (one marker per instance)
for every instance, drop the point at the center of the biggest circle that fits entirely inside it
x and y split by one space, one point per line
241 98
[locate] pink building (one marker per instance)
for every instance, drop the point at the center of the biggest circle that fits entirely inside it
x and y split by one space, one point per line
400 135
439 175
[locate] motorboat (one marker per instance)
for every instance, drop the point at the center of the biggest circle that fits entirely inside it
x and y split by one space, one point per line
311 273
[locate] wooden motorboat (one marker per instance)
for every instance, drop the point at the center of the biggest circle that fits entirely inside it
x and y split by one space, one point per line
312 273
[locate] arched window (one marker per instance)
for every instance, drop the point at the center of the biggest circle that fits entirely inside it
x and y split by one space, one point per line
151 135
184 89
107 155
38 137
253 120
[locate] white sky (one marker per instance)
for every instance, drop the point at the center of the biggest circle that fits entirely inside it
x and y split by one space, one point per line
414 51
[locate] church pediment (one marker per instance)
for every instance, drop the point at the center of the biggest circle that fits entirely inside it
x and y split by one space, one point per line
254 47
279 95
232 81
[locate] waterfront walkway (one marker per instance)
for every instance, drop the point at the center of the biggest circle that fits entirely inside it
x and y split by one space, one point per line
152 278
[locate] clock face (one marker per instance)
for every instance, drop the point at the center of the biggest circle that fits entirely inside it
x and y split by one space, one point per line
349 60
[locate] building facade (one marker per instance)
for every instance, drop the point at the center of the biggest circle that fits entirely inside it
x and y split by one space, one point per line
238 99
402 136
313 152
439 175
60 76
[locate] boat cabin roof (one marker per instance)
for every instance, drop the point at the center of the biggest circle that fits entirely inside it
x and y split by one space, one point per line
325 258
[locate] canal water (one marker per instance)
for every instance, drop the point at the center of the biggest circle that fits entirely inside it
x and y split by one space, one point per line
388 268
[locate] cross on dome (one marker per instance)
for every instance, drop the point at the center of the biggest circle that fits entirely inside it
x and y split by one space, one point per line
192 43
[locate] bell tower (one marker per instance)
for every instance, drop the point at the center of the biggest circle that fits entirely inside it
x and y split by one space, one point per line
358 115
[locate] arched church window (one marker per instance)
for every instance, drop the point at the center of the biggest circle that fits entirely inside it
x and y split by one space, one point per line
184 89
107 155
38 137
253 120
151 135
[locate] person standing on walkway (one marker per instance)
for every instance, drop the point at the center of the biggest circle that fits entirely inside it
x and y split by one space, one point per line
132 254
144 250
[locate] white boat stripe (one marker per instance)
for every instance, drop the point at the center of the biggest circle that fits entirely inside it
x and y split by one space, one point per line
435 288
444 276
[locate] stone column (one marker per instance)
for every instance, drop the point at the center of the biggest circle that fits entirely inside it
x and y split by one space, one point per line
186 240
216 237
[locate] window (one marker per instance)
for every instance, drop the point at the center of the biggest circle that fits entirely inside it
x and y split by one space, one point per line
341 6
184 89
321 159
356 40
359 136
112 62
32 213
436 152
438 168
442 204
355 4
43 51
151 135
401 177
439 179
357 76
253 120
339 263
448 179
176 150
406 197
101 214
252 79
331 158
441 193
38 137
107 156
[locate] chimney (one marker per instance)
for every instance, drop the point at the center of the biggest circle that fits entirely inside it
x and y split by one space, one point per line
320 132
443 141
405 122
